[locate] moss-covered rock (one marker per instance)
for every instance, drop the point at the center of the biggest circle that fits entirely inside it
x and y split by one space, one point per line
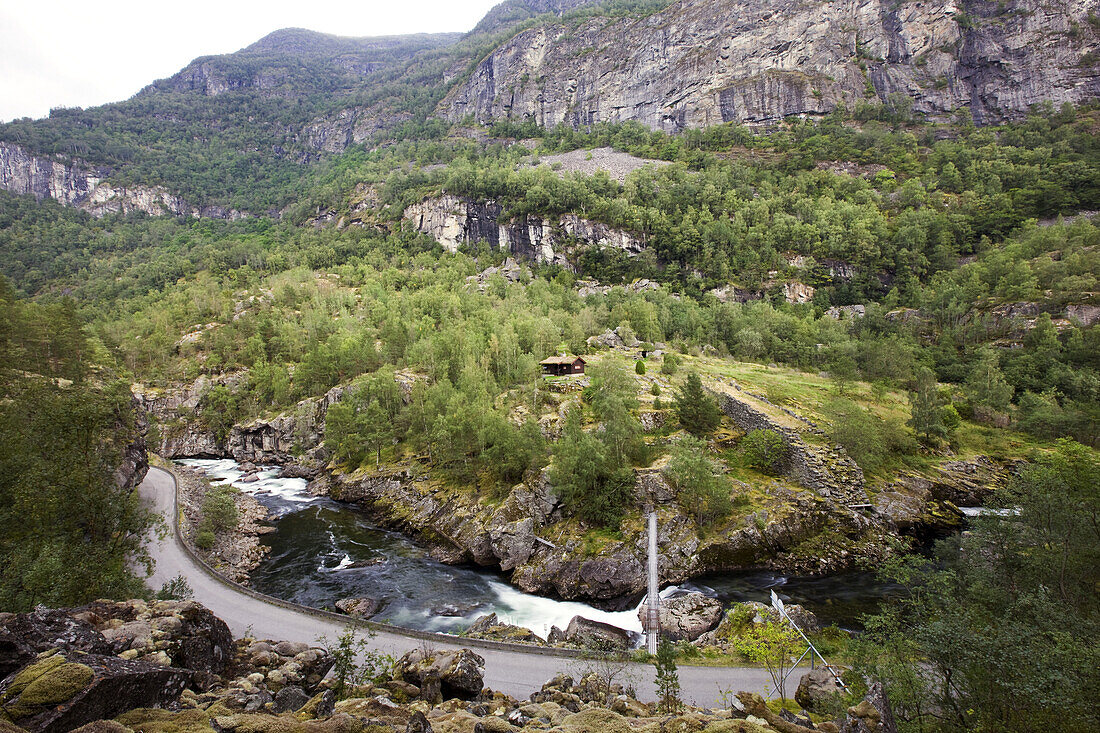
48 682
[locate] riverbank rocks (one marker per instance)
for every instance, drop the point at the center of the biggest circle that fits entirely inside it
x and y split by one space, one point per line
490 627
685 617
443 675
596 635
61 691
359 607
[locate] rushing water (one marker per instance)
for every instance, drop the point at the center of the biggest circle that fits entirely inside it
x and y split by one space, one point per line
322 551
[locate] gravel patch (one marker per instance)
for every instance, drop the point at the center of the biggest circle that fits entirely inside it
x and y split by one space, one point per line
617 164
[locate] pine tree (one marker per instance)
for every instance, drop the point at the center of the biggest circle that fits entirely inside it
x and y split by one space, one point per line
668 679
698 413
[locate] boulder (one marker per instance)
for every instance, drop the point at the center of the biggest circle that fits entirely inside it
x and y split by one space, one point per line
589 634
61 690
188 633
814 687
489 627
872 715
685 617
25 635
456 674
290 699
358 607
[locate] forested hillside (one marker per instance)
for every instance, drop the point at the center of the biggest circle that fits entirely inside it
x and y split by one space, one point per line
811 336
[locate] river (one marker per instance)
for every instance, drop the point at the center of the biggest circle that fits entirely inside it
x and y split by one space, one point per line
322 551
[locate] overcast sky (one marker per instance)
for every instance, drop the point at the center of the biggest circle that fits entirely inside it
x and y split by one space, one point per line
68 53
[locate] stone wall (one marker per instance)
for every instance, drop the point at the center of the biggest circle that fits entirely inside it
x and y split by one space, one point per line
826 469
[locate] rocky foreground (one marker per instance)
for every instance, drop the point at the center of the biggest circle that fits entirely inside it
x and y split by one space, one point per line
174 666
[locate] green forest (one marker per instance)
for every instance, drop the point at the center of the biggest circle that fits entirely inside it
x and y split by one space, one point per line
953 271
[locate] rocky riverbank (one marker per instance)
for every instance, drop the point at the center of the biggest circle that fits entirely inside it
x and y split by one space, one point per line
820 516
119 667
236 550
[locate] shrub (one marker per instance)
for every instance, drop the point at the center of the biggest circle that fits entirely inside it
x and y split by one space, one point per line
204 540
639 367
764 450
219 509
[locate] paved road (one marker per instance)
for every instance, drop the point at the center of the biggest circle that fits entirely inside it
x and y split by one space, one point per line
514 672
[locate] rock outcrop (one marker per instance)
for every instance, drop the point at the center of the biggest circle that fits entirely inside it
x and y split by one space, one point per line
686 616
454 221
64 690
458 674
704 62
598 636
815 687
490 627
78 184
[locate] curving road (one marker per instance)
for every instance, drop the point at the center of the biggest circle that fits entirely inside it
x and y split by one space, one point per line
517 673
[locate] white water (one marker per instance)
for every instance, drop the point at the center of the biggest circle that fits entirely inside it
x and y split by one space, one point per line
269 483
283 496
978 511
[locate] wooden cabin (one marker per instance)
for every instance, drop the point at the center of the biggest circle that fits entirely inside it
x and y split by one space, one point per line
562 366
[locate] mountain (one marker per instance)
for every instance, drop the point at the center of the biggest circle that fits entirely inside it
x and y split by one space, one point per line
699 63
232 135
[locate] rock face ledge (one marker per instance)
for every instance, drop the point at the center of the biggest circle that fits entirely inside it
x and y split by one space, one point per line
83 186
454 221
704 62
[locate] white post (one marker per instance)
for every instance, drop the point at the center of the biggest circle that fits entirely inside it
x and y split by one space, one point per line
653 601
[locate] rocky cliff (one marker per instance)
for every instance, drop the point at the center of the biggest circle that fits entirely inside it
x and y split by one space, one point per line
84 186
704 62
454 221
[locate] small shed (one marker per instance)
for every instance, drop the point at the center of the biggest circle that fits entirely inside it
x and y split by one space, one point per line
560 366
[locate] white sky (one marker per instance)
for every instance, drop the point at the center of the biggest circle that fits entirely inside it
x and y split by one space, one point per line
81 53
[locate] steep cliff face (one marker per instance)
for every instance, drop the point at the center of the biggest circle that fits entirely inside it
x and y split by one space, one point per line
81 185
705 62
454 221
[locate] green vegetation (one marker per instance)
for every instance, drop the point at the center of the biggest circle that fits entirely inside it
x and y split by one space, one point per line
776 645
591 469
667 678
697 412
999 630
764 450
356 664
69 533
704 492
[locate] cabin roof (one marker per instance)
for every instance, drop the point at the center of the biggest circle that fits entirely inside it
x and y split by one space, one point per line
562 360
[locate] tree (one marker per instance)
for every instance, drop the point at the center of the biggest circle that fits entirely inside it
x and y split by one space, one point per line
356 663
986 385
703 489
667 678
774 644
764 450
587 476
70 532
931 417
219 510
999 630
698 412
639 367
